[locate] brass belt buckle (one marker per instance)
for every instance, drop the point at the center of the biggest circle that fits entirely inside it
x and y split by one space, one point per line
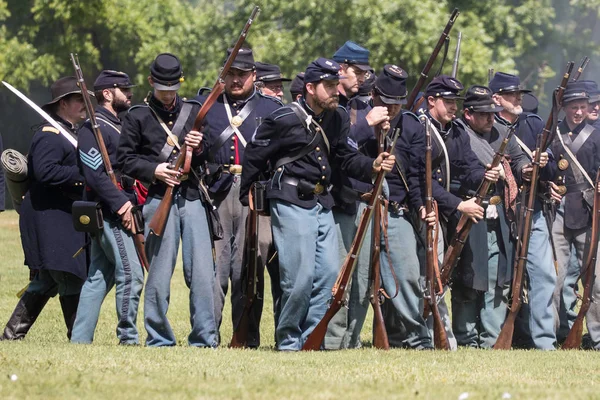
562 190
319 188
495 200
184 177
235 169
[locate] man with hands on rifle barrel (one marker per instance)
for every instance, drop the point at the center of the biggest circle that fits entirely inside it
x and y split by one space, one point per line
535 327
229 126
455 167
114 261
578 154
484 269
303 142
151 136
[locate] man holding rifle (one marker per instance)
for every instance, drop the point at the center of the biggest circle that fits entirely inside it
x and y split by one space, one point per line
577 146
480 285
229 126
455 167
151 136
303 143
114 261
537 322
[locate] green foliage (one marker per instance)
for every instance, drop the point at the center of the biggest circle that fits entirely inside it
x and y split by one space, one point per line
530 37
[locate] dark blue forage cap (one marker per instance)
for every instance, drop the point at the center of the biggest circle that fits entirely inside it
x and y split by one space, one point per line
322 69
244 60
591 87
575 91
166 72
367 86
297 84
444 86
352 53
390 85
479 99
530 103
268 72
109 79
506 83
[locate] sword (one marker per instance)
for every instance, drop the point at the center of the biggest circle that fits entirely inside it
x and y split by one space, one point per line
43 113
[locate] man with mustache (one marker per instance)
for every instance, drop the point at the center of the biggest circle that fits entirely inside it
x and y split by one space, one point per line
47 233
114 261
535 326
229 126
484 270
577 149
304 143
151 137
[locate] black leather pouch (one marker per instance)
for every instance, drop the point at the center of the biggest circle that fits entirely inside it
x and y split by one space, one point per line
87 217
259 197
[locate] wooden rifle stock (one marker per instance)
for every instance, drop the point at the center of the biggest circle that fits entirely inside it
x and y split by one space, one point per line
138 237
240 332
380 338
314 340
439 332
415 91
465 223
183 160
504 341
588 274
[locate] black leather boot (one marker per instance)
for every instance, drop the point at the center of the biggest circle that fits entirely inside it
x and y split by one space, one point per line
69 309
26 312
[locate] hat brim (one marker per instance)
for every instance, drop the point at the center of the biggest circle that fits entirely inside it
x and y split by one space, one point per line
485 108
363 67
62 96
446 96
512 90
566 100
160 86
594 98
114 87
391 100
242 66
274 79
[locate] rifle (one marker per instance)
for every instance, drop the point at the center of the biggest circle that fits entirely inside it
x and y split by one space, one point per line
138 235
184 158
432 273
504 341
490 74
314 340
250 261
577 74
415 91
380 337
465 223
456 56
588 274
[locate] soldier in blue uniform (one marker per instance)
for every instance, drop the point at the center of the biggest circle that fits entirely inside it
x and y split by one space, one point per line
481 282
535 327
114 261
354 60
576 147
593 104
47 233
456 169
229 126
150 138
303 142
269 80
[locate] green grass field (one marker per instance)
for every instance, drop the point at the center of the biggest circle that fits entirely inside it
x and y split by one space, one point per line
48 367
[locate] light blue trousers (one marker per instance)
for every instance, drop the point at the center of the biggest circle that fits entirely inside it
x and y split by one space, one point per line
306 243
186 224
113 262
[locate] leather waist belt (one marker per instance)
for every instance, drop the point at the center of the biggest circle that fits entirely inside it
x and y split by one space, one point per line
348 194
233 169
395 207
304 187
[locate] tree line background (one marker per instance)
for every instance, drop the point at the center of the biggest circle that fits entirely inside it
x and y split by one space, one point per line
533 38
